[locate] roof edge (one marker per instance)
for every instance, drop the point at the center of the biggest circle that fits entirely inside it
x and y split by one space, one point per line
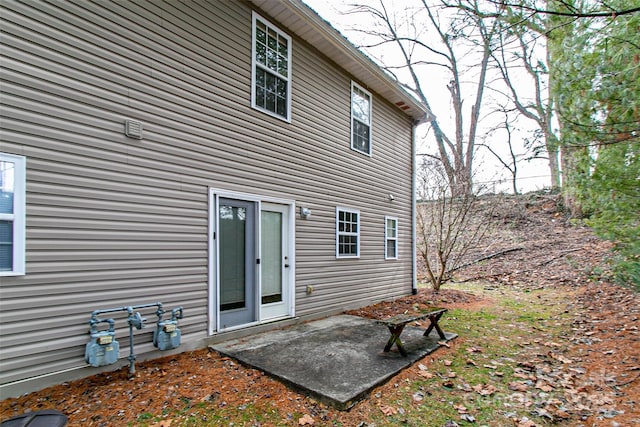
338 48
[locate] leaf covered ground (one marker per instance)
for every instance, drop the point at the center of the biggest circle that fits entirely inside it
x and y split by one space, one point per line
544 339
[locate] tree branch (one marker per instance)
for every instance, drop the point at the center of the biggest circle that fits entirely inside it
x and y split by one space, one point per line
484 258
575 14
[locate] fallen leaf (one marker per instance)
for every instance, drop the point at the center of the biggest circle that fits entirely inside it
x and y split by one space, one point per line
471 362
306 420
444 343
541 412
468 418
447 362
562 414
522 375
560 357
466 388
526 422
388 410
484 389
461 409
425 374
518 386
529 366
163 423
541 385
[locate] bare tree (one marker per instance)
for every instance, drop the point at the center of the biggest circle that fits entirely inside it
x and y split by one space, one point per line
449 226
522 48
510 164
453 38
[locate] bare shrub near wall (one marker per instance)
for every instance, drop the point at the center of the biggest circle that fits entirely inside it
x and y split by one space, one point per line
449 226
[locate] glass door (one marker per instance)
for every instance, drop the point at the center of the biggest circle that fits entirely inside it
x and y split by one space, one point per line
276 262
251 248
237 261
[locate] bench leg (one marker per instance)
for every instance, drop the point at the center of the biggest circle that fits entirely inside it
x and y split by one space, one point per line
395 332
434 324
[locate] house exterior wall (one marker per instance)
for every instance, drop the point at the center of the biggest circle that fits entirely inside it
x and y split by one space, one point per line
114 221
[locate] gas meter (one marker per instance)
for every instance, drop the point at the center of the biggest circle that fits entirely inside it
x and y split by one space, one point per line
102 349
167 334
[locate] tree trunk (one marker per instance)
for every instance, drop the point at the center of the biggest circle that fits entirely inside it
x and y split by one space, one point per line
574 160
554 168
550 139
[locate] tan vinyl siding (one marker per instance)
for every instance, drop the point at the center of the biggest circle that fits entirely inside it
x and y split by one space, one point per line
114 221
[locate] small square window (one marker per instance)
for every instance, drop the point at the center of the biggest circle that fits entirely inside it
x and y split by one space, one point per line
347 233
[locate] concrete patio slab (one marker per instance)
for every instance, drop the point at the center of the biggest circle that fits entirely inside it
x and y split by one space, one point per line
338 360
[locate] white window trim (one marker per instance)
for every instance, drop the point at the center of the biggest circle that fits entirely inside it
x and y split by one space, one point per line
387 238
356 85
338 233
18 217
254 17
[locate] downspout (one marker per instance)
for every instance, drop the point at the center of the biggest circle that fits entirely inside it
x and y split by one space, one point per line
427 117
414 205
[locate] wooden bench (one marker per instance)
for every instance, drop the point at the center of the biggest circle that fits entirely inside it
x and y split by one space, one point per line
397 323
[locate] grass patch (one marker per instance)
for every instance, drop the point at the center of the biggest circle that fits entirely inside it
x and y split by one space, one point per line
479 379
208 416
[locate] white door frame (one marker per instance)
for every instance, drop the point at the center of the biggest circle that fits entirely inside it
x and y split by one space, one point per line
214 277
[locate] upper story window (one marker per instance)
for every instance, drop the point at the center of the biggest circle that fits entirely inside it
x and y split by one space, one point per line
391 237
360 119
271 74
12 214
347 233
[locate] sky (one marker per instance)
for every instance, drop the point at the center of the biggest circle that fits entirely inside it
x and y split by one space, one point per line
531 175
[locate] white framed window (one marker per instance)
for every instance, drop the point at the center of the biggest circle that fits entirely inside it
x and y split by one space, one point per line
347 233
390 237
271 69
360 119
12 214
